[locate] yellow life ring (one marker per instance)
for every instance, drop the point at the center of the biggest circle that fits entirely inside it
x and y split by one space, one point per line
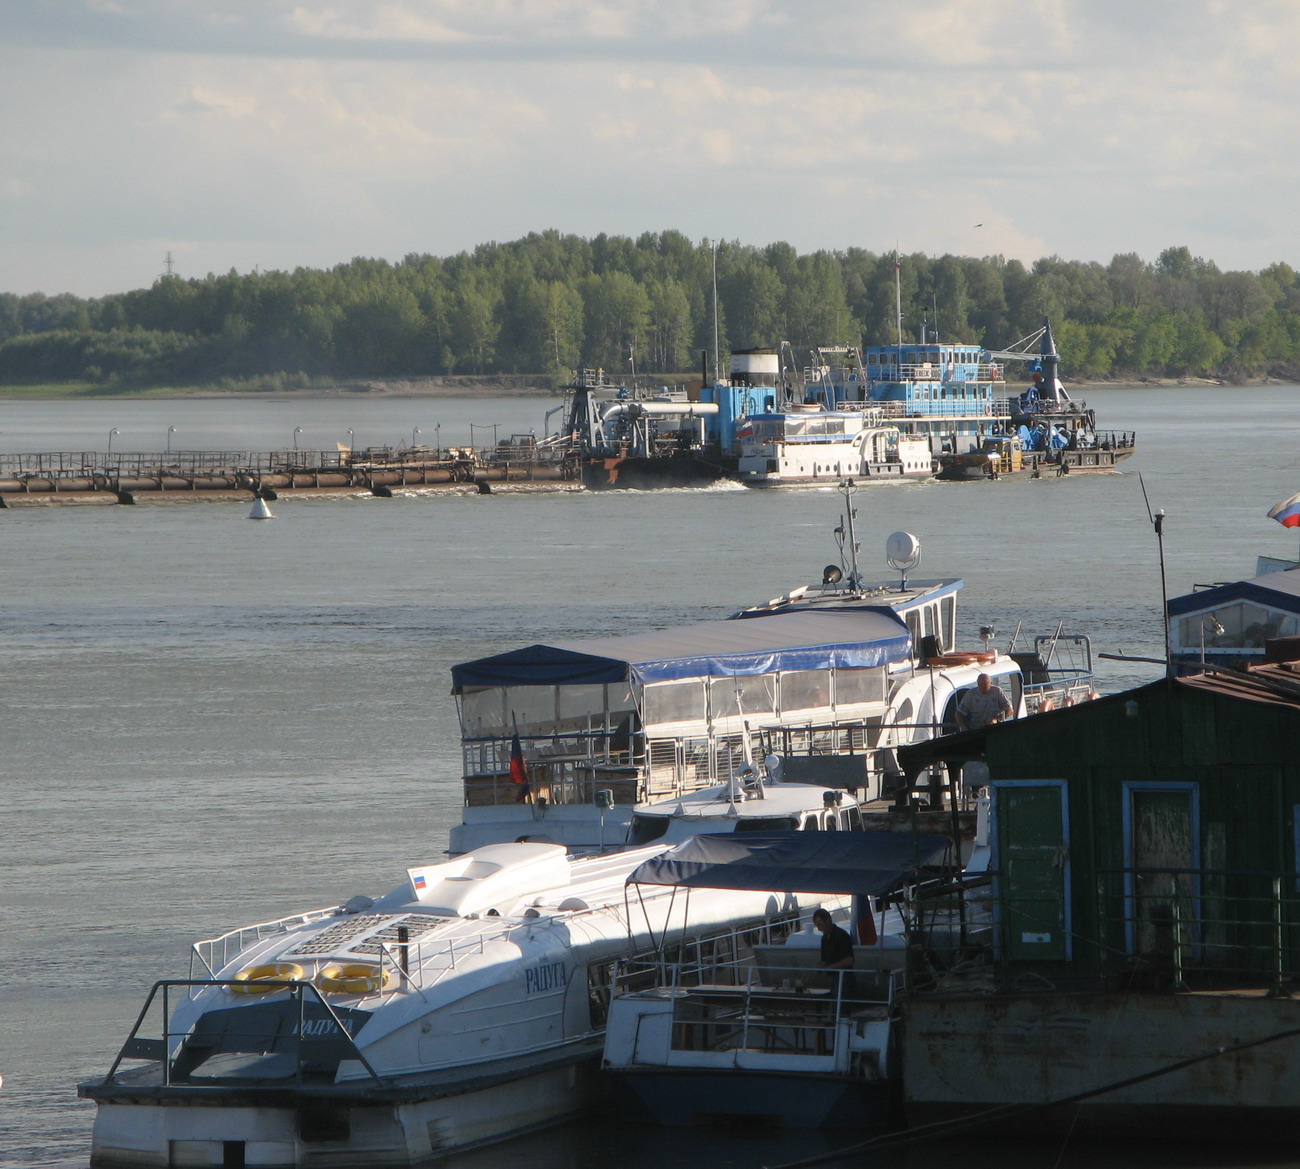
253 980
352 978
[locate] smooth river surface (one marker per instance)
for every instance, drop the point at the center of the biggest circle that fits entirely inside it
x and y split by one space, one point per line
208 722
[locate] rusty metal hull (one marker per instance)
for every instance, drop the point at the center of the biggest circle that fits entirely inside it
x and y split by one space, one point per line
964 1055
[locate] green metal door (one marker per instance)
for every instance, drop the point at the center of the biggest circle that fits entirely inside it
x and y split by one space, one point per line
1163 855
1033 861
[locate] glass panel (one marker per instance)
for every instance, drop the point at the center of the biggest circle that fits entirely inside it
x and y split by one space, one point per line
767 824
1244 626
749 695
856 686
531 708
805 690
578 704
672 702
482 712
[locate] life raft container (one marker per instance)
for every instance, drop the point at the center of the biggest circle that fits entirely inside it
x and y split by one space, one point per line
255 979
961 659
352 978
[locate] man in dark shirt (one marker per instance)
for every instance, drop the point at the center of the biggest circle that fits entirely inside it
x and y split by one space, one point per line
837 946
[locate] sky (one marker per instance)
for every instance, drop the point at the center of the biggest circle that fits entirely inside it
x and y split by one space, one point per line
276 134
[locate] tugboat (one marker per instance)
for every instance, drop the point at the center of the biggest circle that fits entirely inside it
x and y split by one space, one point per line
1045 431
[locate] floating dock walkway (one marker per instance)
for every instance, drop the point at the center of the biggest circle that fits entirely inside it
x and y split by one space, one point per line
91 477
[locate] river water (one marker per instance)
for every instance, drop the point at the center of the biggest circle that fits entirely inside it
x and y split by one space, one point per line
208 721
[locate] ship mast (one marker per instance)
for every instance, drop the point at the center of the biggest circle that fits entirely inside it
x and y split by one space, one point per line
898 300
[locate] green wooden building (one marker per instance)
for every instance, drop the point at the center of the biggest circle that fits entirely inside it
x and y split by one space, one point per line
1149 838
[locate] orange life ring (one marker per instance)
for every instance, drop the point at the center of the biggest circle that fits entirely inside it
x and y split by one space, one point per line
961 659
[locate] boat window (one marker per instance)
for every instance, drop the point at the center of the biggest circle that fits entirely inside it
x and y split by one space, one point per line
1013 685
831 825
1245 626
948 618
730 697
805 690
584 706
646 829
810 823
852 818
767 824
674 702
530 708
482 711
914 628
857 686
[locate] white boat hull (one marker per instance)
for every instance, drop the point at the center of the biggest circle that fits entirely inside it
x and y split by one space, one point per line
409 1133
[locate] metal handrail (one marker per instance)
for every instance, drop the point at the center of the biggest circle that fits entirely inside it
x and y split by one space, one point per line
206 948
159 1049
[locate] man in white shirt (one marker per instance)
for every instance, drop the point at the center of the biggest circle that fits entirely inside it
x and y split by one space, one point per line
982 705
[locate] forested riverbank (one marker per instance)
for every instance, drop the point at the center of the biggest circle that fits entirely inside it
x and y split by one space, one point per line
521 315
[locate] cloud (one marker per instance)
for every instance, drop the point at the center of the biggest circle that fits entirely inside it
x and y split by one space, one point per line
15 188
288 132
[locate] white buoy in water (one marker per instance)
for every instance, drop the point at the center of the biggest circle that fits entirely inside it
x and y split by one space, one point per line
260 510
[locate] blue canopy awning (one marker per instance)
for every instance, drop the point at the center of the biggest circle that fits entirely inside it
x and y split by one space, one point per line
867 863
851 638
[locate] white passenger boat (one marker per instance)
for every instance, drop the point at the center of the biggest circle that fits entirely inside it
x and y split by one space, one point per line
846 670
466 1005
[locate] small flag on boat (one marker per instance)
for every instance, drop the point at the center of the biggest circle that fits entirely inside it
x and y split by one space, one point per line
419 882
518 765
1287 513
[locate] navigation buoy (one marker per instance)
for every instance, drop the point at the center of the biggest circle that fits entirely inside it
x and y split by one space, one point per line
260 510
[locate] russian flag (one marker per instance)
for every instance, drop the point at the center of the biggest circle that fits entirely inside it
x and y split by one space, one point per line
518 765
1287 513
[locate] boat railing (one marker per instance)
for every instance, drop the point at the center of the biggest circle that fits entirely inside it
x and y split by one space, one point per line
318 1035
566 767
1068 689
985 373
214 954
788 1011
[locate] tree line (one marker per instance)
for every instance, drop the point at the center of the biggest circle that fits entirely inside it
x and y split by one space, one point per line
549 303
